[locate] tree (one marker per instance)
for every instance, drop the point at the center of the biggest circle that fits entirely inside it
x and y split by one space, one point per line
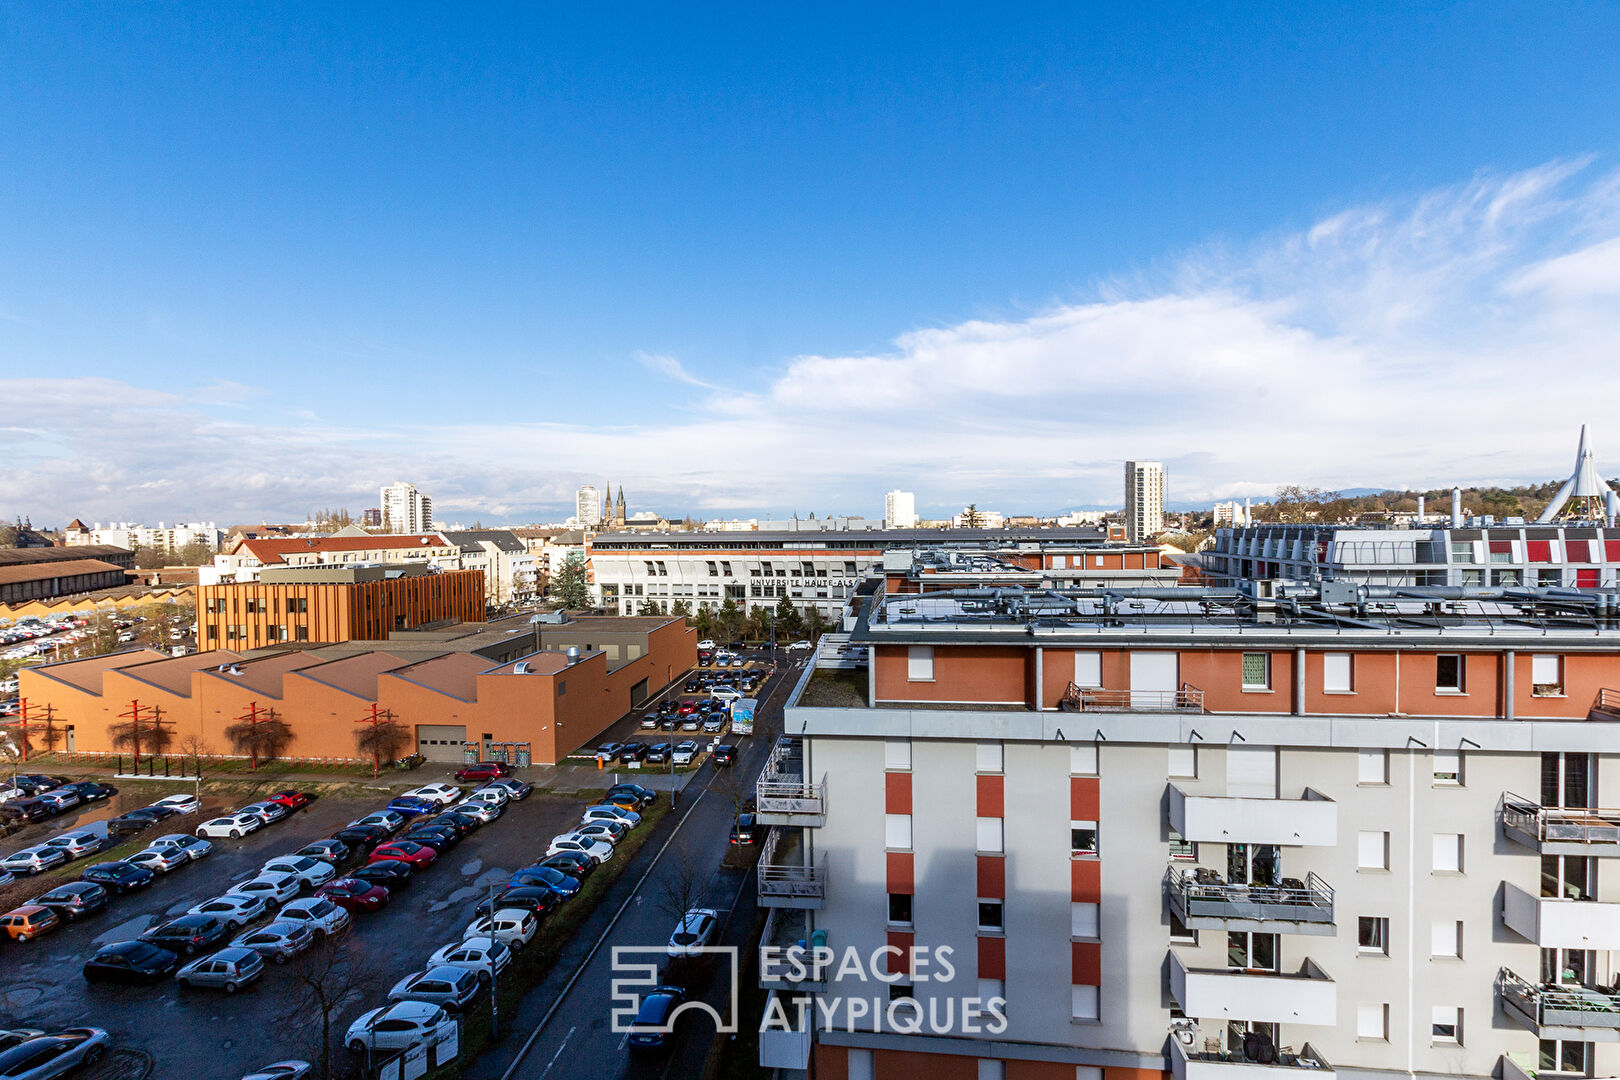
325 981
571 588
815 622
141 732
971 518
703 621
195 553
259 735
788 622
197 749
380 741
681 608
648 607
150 558
729 618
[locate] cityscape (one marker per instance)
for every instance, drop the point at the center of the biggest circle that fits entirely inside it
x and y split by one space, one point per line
913 544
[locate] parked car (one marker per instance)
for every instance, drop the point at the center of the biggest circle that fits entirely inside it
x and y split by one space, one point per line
10 1037
742 830
437 794
693 932
576 864
596 849
29 921
229 970
355 894
234 826
655 1020
481 771
564 885
608 831
512 927
292 800
478 953
633 751
483 812
692 722
274 888
489 795
130 962
537 899
419 856
649 720
391 874
642 796
311 873
322 916
291 1069
361 838
462 823
411 805
331 850
658 753
118 877
438 837
181 804
386 819
188 935
57 1054
267 812
798 646
159 860
396 1027
277 941
608 752
684 752
60 800
706 644
725 755
450 988
77 844
608 812
134 821
34 860
74 900
234 909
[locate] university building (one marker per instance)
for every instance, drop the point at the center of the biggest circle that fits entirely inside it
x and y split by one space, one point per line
1205 833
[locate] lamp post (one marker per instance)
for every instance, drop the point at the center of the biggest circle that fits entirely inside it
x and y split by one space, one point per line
494 981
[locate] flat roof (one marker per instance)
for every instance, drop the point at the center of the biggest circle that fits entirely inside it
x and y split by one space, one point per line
842 538
264 674
44 571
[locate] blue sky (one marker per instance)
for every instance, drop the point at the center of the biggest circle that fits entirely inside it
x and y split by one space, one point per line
263 258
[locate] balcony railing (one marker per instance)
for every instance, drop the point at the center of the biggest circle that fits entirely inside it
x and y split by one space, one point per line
1607 701
1202 901
1561 831
1566 1006
1078 699
789 797
1211 1063
792 886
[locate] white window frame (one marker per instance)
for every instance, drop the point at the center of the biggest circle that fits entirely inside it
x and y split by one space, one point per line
1085 920
1338 673
1462 675
897 832
1445 939
1546 675
1446 1016
1085 1002
1372 767
897 755
1382 947
1372 1021
1448 768
1096 834
990 836
1083 759
1265 676
1372 850
1183 762
919 663
989 757
1448 853
1088 669
982 926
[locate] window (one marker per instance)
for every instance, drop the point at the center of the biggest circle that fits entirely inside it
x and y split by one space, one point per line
1372 935
303 633
897 755
1256 671
1084 920
901 990
1372 1021
1448 673
1085 1072
1180 934
990 836
1448 766
1445 939
900 908
897 832
988 757
860 1065
1083 759
1085 1001
1372 850
1549 579
1337 673
1088 670
1184 761
1181 848
990 1068
1372 766
920 663
1566 1056
1448 853
1447 1024
990 915
1082 838
1462 551
1547 675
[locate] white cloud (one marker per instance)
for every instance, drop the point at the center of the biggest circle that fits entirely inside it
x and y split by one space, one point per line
1447 337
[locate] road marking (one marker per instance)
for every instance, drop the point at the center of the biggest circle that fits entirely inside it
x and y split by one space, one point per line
560 1048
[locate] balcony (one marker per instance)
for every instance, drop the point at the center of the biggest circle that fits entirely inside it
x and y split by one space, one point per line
1554 923
1309 821
1203 902
789 929
780 802
1561 1011
1554 831
784 1049
1213 1064
1308 996
1189 699
787 879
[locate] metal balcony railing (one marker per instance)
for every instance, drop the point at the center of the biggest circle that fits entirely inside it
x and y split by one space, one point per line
1309 901
1561 1005
1607 701
790 797
1538 825
1078 699
796 882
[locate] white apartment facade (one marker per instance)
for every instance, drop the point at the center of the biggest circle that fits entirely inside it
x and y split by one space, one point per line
587 506
511 570
405 510
1202 841
900 510
1144 499
131 537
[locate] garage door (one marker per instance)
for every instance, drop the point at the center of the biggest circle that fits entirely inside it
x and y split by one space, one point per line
440 742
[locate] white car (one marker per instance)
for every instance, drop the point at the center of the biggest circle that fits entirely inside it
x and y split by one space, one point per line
386 818
798 646
274 888
397 1027
231 825
512 927
312 872
726 693
34 860
706 643
438 794
490 796
596 849
477 953
235 910
267 812
194 847
684 752
278 941
483 811
77 844
180 804
609 832
694 931
609 812
159 860
291 1069
318 913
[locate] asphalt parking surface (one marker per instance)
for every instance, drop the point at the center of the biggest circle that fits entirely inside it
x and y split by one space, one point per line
629 729
201 1035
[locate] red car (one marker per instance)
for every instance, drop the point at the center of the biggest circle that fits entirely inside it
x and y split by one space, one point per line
419 856
687 708
354 894
292 800
483 770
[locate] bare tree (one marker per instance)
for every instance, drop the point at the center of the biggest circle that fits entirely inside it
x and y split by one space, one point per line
199 751
261 739
380 742
684 884
142 735
326 980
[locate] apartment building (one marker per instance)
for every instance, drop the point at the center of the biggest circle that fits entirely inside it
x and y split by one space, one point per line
404 509
131 537
244 558
1144 499
900 510
1202 836
511 571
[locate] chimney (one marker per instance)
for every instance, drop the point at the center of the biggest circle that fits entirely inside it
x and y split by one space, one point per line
1420 509
1456 508
573 655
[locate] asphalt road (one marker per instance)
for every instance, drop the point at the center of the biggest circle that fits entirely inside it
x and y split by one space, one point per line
564 1028
205 1034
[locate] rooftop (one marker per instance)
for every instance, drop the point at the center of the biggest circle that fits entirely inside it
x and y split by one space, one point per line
875 539
17 573
455 674
355 675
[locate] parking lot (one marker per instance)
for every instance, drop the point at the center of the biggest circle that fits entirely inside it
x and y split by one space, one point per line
203 1034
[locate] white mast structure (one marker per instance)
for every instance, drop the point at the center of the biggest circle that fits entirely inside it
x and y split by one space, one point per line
1584 486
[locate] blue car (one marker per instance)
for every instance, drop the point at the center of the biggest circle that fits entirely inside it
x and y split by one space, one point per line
654 1025
411 806
549 877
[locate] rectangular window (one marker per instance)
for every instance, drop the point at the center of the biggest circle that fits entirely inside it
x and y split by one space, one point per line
1372 850
1447 1024
1085 1001
1445 938
1448 853
991 1068
988 757
920 663
1372 766
1462 551
1547 675
989 836
1448 766
990 915
1549 579
1179 934
897 832
1184 761
1372 935
1448 673
1337 673
1256 671
1181 848
1084 920
1372 1021
1083 759
1083 838
1088 670
900 909
897 755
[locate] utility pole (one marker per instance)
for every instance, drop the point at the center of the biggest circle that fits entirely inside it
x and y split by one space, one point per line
494 980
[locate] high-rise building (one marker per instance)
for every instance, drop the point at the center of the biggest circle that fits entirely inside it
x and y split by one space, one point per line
372 518
900 510
1144 499
587 506
406 510
1228 514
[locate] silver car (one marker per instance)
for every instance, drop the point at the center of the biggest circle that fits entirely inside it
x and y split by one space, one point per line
450 988
278 941
235 909
56 1054
229 970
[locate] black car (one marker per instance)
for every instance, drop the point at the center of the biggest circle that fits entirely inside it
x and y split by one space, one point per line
74 899
668 706
737 646
576 864
189 934
438 837
536 898
90 791
361 838
656 1019
658 753
670 722
744 829
30 809
693 686
644 796
38 782
462 823
131 962
633 751
118 877
391 874
725 754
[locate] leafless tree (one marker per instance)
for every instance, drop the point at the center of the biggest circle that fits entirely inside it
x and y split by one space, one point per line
261 740
332 976
201 754
381 741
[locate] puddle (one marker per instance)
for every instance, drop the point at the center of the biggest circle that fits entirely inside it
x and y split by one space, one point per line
125 931
468 869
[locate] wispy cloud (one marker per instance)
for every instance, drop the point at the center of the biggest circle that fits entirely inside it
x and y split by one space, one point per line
1453 335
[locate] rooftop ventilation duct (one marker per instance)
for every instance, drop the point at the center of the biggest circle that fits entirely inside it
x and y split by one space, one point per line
521 668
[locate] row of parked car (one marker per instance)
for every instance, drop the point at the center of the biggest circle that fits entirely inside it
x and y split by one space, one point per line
710 714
